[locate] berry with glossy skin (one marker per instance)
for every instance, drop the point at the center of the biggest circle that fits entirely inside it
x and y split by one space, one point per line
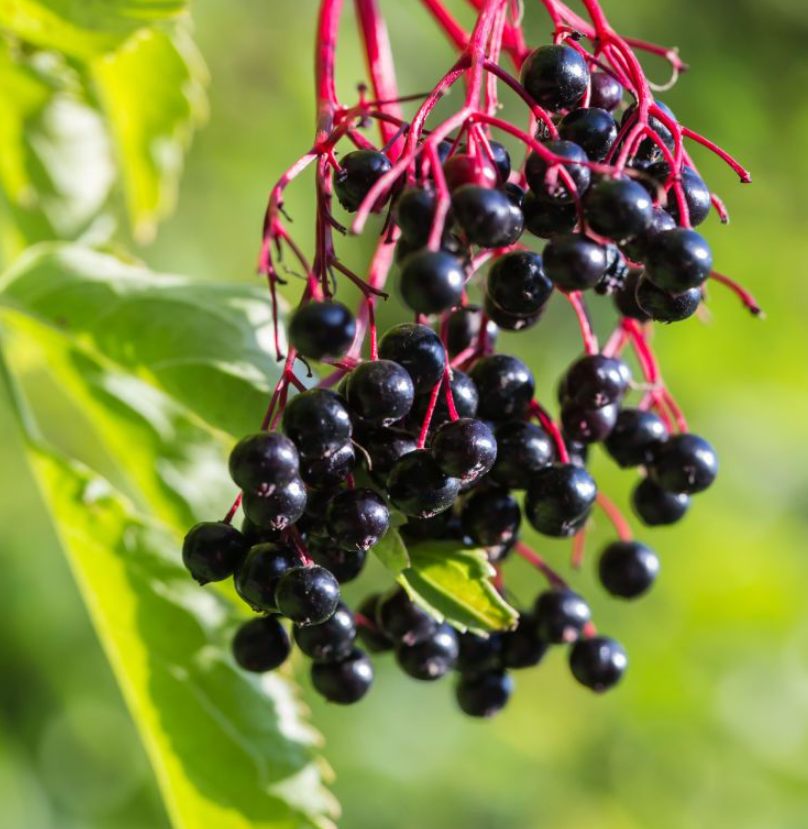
516 283
694 189
618 208
627 569
656 507
344 682
637 247
367 628
417 486
502 160
586 425
487 216
593 129
380 391
616 273
277 507
463 169
322 330
484 695
491 517
401 620
384 447
522 450
546 219
330 641
345 565
505 386
536 169
560 615
415 210
663 306
419 350
522 647
357 518
307 595
213 550
635 437
507 321
684 463
606 91
432 281
625 298
331 470
260 573
359 171
465 449
318 422
479 654
463 329
598 663
559 499
574 262
556 77
261 645
648 150
261 459
678 260
429 658
596 380
515 193
464 394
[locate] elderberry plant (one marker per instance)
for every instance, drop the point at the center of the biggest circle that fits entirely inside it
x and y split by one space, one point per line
426 438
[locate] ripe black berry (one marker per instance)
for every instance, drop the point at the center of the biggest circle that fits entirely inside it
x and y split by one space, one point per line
463 330
625 298
627 569
465 449
487 216
522 647
560 615
516 283
694 188
419 487
635 437
684 463
556 77
573 262
637 248
648 150
278 506
359 171
401 620
606 91
616 273
419 350
484 695
429 658
655 506
357 519
522 450
491 517
330 641
380 391
618 208
331 470
515 193
344 682
678 260
367 628
258 576
593 129
596 380
213 550
505 386
479 654
415 210
586 425
559 499
507 321
345 565
318 422
536 169
432 281
598 663
322 330
262 459
464 394
307 595
663 306
546 219
384 447
261 644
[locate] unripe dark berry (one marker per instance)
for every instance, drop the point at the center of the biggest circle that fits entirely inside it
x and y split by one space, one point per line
618 208
556 77
307 595
574 262
593 129
380 391
627 569
516 283
598 663
487 216
684 463
359 171
635 437
357 518
463 169
432 281
419 487
656 507
560 615
261 645
318 422
262 459
465 449
505 386
213 550
331 640
429 658
484 695
559 499
557 191
344 682
322 330
419 350
678 260
260 573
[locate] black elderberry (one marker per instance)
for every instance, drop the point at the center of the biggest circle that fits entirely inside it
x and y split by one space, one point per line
678 260
546 219
487 216
331 640
213 550
465 449
507 321
260 573
502 160
261 644
415 210
491 517
573 262
596 380
359 171
417 486
276 507
479 654
625 298
523 647
262 459
429 658
380 391
357 519
312 522
432 281
344 682
258 535
522 450
557 191
627 569
587 425
463 330
556 77
318 422
515 193
637 247
663 306
655 506
505 386
307 595
593 129
464 394
384 447
560 615
330 470
419 350
616 273
648 149
695 190
401 620
516 283
345 565
684 463
367 627
484 695
559 499
618 208
598 663
606 91
635 437
322 330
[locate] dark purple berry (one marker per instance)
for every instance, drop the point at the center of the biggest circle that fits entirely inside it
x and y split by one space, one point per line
429 658
606 91
546 219
401 620
522 647
487 216
574 262
516 283
684 463
635 437
637 248
586 425
346 565
553 188
263 459
261 645
625 298
322 330
463 330
505 386
649 150
484 695
596 380
522 450
213 550
479 654
656 507
593 129
359 171
276 507
627 569
491 517
380 391
560 615
678 260
663 306
344 682
618 208
260 573
357 519
598 663
415 210
419 350
507 321
432 281
307 595
559 499
331 640
384 447
465 449
318 422
330 470
417 486
556 77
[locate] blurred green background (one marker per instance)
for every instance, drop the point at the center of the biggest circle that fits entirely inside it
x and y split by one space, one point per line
710 727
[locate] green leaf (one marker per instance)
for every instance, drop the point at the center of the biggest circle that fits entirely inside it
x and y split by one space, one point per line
152 91
392 551
455 584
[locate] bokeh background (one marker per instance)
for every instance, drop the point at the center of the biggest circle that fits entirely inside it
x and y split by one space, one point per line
710 727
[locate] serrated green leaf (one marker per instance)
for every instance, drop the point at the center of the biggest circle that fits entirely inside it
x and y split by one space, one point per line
392 551
455 584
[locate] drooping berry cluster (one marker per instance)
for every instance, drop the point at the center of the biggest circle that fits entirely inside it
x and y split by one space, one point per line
433 426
